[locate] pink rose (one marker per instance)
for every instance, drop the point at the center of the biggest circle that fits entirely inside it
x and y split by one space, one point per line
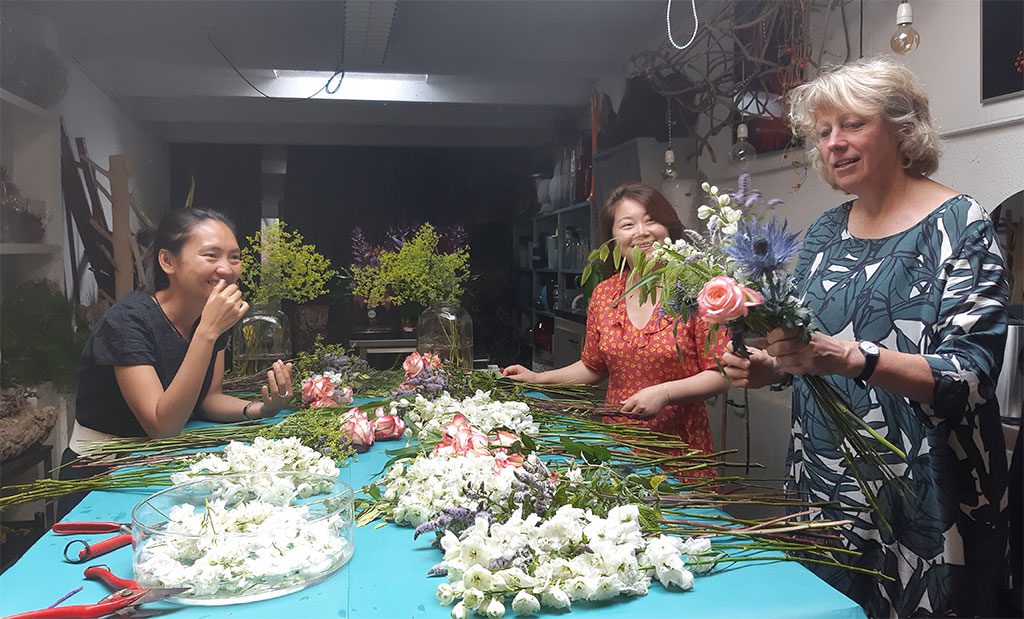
504 459
359 431
388 427
432 360
504 438
317 389
322 403
344 396
460 438
412 365
353 413
723 299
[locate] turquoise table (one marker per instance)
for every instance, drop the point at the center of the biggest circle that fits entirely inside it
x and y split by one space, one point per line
387 578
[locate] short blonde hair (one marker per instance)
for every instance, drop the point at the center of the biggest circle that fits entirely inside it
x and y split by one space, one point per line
874 86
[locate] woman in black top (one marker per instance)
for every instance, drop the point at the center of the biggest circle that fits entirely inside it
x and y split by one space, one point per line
156 359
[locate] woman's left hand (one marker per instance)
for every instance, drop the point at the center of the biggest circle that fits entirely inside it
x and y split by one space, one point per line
646 403
822 355
277 393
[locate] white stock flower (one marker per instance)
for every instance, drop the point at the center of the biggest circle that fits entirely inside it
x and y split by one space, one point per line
494 608
555 598
473 598
478 577
459 611
445 594
525 604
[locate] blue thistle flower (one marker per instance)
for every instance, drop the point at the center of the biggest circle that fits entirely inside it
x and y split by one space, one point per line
761 249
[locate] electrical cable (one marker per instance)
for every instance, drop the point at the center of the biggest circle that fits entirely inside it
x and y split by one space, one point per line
325 88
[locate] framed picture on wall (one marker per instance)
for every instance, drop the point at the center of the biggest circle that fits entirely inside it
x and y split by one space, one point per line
1002 49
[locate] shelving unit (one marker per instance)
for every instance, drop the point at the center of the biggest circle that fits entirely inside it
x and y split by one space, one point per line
548 280
30 151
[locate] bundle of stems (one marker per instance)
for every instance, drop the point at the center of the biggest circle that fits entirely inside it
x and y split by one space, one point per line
47 489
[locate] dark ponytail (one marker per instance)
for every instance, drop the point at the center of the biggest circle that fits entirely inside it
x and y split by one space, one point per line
171 234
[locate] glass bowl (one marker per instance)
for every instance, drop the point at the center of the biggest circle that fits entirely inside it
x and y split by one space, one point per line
243 537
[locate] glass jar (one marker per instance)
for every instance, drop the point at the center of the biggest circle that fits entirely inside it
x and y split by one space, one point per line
446 330
260 338
244 537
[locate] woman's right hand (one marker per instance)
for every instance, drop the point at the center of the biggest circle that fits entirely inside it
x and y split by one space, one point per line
520 373
223 309
753 372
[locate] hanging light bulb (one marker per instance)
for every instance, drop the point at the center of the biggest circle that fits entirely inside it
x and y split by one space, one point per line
742 152
669 172
905 39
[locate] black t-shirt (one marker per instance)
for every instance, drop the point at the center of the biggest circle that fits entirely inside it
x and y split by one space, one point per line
134 331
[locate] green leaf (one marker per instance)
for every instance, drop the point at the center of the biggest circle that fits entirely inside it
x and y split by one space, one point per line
657 481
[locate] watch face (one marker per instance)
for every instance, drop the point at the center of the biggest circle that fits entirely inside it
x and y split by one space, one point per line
869 348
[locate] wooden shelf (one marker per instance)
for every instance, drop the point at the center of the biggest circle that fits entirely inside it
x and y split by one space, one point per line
28 249
26 107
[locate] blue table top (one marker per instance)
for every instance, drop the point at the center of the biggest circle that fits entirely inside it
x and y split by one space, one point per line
387 578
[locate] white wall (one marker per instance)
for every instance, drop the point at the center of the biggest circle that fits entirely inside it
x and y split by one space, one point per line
108 129
984 143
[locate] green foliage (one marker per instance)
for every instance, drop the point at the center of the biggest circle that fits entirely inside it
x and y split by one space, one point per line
318 429
291 270
38 336
416 273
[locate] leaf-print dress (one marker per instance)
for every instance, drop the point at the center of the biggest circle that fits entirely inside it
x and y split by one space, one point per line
937 289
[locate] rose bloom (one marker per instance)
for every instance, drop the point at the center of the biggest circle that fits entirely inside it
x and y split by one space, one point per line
412 365
431 359
723 299
388 427
359 431
353 413
323 403
344 396
317 389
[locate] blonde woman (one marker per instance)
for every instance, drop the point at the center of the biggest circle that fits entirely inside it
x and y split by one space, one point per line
909 291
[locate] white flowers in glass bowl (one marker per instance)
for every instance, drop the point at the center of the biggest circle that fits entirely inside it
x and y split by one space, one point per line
230 544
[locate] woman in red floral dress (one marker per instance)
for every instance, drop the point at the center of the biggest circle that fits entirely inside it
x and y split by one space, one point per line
632 344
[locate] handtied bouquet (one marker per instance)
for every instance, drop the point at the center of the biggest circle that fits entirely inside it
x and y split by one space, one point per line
734 274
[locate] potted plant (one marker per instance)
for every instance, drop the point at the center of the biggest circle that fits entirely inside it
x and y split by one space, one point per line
276 266
39 344
430 270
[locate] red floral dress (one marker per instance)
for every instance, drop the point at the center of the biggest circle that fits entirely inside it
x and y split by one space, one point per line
637 358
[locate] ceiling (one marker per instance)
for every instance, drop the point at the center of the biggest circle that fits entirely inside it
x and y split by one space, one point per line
496 71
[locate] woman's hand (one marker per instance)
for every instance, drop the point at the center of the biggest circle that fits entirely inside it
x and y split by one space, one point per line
519 373
753 372
223 309
822 355
277 393
646 403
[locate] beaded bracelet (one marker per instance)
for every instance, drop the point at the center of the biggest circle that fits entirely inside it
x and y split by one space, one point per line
245 411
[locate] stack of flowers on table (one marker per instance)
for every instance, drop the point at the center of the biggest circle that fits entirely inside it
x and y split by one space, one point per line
424 375
430 417
325 391
363 431
734 274
509 525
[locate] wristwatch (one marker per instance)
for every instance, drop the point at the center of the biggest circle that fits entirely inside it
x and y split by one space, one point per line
870 352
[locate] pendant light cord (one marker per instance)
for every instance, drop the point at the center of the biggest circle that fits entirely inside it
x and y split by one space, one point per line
668 24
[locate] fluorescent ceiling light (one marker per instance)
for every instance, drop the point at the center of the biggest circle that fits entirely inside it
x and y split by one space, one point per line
353 75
